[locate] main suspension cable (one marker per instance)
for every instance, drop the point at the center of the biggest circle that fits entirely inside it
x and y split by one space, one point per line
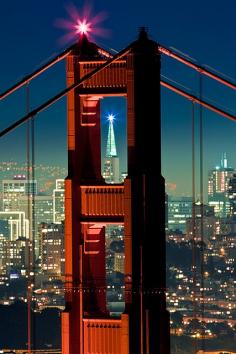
196 67
36 73
195 99
64 92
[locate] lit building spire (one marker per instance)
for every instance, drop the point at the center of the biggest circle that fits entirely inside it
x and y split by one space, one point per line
111 171
224 161
111 144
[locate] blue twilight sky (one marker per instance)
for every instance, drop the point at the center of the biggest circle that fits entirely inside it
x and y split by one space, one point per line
205 30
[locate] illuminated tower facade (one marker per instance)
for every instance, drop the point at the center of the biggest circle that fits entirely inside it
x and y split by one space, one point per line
15 188
59 202
232 195
218 185
91 204
52 249
13 224
111 171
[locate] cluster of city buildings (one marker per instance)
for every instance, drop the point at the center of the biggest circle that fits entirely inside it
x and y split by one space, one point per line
221 198
32 233
201 286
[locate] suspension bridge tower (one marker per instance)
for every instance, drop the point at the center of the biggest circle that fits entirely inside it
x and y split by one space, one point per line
138 203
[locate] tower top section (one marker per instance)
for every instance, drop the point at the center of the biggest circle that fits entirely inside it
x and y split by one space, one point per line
143 35
86 49
144 43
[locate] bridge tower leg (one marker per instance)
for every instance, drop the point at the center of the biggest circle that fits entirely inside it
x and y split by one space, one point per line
149 329
139 204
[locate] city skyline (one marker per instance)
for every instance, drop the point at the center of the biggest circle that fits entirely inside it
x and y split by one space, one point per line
177 297
176 137
20 167
110 230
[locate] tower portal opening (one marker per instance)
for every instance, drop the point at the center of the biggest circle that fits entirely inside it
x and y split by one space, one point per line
114 139
115 268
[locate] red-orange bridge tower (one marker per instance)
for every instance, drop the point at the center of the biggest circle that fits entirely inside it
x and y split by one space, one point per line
138 204
90 204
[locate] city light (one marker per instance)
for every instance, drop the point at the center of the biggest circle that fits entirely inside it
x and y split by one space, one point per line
198 236
83 27
82 23
111 117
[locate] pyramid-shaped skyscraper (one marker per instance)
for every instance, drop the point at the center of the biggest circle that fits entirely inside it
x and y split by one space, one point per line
111 170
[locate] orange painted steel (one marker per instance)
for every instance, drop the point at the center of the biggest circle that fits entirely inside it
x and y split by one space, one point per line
68 237
106 335
102 336
114 76
65 325
128 241
64 92
90 204
88 76
88 201
95 202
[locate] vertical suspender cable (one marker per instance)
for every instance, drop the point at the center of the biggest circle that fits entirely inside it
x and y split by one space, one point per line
31 215
29 295
202 215
193 218
33 224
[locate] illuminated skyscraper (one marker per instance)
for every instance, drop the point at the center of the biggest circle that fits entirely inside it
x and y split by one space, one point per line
15 188
14 256
58 202
37 209
232 195
13 224
52 248
179 210
111 171
218 185
119 262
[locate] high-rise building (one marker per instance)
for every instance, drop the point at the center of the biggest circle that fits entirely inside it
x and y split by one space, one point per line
179 209
232 195
119 262
37 209
52 249
205 223
13 224
111 171
60 183
58 202
14 188
218 185
14 256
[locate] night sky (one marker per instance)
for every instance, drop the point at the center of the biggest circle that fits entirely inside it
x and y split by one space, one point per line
205 30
